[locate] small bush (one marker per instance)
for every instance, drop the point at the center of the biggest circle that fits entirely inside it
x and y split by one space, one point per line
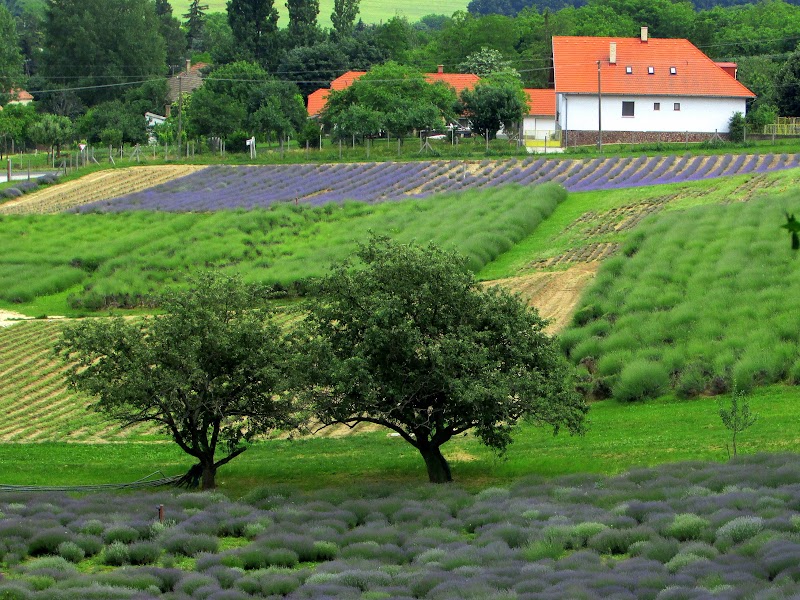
71 552
121 533
116 555
185 544
47 542
143 553
740 529
641 380
687 526
617 541
681 560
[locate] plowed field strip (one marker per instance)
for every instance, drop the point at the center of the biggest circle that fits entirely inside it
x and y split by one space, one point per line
555 294
103 185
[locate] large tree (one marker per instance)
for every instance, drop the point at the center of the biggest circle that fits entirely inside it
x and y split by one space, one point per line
102 45
209 372
174 38
400 96
195 22
254 24
409 341
344 16
303 29
496 102
10 58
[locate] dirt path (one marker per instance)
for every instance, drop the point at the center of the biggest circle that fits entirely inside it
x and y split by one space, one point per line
8 317
554 293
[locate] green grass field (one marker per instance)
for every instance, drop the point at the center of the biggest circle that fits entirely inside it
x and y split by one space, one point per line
620 436
371 11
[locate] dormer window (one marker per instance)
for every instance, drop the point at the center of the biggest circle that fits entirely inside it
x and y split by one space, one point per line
651 70
673 70
628 70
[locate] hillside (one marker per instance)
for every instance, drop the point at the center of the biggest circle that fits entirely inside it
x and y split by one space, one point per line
370 11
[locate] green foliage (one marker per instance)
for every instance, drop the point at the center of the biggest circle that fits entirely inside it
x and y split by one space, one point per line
99 122
737 417
687 527
668 301
254 24
52 130
640 380
344 15
241 96
495 103
484 62
133 255
303 29
71 552
407 341
218 370
96 44
399 97
736 127
10 59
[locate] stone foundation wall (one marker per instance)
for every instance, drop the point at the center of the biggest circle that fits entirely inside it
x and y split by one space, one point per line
589 138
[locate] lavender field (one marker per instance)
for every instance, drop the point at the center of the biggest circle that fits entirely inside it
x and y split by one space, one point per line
228 187
688 530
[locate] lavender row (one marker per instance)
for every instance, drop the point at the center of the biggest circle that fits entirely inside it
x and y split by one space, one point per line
690 530
224 187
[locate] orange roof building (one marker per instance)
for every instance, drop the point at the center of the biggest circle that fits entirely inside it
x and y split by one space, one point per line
664 88
20 96
318 99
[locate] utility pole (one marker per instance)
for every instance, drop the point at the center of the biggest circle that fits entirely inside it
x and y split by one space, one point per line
599 111
180 113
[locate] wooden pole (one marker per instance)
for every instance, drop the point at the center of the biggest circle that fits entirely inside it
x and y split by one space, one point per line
599 111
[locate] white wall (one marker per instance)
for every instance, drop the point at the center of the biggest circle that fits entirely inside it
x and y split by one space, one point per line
700 115
538 127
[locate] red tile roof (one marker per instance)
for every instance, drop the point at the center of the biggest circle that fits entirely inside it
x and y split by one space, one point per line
457 81
318 99
541 102
575 64
20 95
344 81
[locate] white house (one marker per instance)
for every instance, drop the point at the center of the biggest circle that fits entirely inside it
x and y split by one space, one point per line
540 122
641 89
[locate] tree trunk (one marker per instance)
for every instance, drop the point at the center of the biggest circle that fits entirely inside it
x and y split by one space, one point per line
208 481
438 469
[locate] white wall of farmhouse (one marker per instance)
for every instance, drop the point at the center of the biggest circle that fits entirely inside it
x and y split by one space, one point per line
696 114
537 128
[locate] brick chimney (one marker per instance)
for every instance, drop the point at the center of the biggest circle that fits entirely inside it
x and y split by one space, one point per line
440 69
612 53
644 34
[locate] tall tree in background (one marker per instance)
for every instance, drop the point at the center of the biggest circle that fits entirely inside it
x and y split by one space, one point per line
303 30
10 58
91 43
174 38
195 20
254 24
344 16
787 84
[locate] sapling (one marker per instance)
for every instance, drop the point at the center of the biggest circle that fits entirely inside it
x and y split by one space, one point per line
737 417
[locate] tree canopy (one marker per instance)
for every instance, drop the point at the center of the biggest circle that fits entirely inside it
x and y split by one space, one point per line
399 96
10 58
496 102
411 342
98 43
209 372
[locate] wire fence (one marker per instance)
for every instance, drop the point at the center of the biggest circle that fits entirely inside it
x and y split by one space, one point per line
143 483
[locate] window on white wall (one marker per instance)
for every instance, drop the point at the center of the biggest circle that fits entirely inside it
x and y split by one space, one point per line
677 106
627 109
656 105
